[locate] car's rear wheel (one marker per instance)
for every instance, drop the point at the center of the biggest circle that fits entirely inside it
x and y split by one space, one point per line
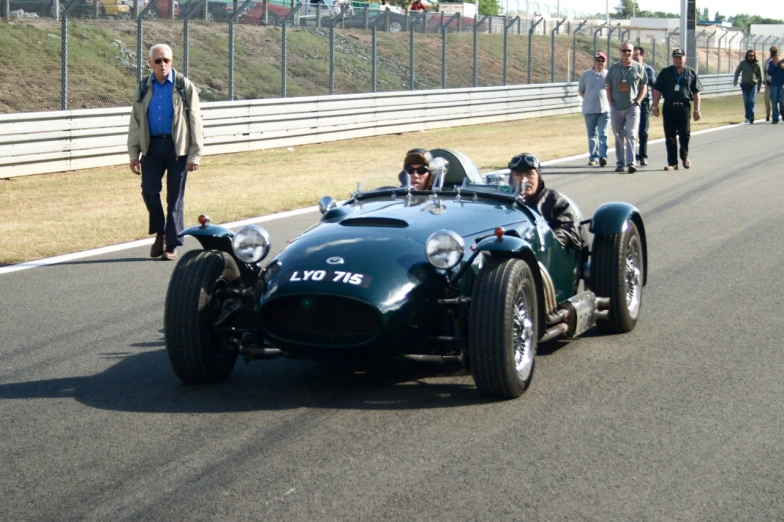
617 272
272 20
152 14
197 352
503 328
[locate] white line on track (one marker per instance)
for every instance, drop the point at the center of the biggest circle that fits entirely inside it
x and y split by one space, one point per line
271 217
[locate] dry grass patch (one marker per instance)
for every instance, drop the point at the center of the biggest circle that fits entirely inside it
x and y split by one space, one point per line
53 214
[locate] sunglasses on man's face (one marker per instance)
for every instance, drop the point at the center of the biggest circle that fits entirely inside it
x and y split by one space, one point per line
158 61
600 60
626 50
421 170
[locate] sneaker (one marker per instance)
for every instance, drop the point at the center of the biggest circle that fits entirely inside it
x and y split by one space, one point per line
774 122
751 121
619 168
671 167
157 247
747 120
632 169
602 162
767 117
169 254
593 163
686 163
643 162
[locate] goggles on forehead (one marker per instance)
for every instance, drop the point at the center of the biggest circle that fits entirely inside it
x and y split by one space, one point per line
524 162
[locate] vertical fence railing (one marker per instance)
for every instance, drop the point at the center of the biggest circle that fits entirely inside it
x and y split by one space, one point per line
417 22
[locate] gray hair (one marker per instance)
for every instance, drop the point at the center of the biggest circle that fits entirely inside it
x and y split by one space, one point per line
159 46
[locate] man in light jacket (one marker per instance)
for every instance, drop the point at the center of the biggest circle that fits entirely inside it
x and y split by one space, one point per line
165 135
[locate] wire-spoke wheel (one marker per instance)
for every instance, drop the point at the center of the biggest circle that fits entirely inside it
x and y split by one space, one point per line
503 328
617 272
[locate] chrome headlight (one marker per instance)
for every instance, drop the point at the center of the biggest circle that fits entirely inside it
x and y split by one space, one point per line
444 249
251 244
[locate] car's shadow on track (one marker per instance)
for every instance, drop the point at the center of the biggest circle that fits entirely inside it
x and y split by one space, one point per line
144 382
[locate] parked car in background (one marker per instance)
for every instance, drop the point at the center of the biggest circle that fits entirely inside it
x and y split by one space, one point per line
255 14
217 10
116 8
161 9
46 8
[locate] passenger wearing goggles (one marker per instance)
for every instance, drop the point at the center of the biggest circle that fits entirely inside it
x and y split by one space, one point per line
416 167
554 208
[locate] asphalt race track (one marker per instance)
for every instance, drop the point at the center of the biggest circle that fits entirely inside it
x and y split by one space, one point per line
682 419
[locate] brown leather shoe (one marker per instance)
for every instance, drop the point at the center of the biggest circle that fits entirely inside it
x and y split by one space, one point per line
170 254
157 247
686 163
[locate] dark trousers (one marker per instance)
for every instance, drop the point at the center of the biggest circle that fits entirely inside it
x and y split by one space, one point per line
677 123
642 133
161 159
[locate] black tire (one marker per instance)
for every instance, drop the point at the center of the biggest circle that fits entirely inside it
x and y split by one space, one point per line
395 26
101 10
273 20
152 14
617 272
503 328
196 353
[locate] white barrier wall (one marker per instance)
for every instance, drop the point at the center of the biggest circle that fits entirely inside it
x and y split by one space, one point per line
43 142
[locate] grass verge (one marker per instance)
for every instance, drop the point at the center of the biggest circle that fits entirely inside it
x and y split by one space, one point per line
54 214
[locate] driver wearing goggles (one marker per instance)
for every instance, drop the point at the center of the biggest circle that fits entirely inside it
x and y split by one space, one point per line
554 208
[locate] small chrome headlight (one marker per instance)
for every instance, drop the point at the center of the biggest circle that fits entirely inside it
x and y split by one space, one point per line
251 244
444 249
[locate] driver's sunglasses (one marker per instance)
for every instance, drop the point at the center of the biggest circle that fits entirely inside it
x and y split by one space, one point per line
524 162
419 170
158 61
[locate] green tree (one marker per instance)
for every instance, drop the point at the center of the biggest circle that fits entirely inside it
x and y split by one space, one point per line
489 7
627 9
719 17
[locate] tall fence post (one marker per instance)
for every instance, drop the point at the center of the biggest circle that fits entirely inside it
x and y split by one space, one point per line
411 52
186 43
530 39
283 60
574 48
443 56
474 66
552 50
64 62
231 59
653 53
373 59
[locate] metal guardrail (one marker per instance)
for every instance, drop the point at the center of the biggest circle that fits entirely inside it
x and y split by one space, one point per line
45 142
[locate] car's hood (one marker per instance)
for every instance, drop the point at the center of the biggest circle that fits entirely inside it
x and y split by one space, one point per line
417 217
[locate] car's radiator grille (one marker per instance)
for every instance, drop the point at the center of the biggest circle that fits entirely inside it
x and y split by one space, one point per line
320 320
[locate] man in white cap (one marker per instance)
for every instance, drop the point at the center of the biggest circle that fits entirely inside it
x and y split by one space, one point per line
596 109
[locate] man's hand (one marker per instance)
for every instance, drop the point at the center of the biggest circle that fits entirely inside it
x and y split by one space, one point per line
192 167
697 115
734 84
655 111
136 167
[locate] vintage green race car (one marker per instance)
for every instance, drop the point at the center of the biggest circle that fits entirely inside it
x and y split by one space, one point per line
463 271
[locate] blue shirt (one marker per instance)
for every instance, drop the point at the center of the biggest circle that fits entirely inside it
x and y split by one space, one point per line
651 80
160 112
776 75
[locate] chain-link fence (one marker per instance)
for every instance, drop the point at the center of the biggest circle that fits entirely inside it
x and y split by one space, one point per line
90 55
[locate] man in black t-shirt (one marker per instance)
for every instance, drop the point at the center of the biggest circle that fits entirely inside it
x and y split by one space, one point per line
680 85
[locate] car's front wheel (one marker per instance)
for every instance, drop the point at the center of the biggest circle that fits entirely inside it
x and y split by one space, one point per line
617 272
197 351
503 328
